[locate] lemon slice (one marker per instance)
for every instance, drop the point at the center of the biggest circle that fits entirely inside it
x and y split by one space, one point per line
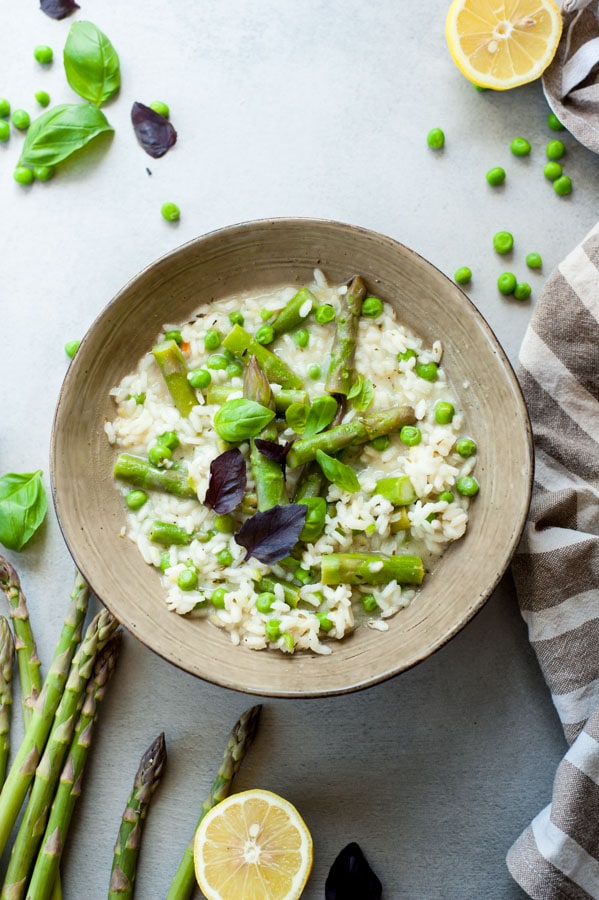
252 845
501 44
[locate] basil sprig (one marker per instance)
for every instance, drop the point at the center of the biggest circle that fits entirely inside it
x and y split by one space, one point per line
239 419
91 63
23 506
321 413
60 131
337 472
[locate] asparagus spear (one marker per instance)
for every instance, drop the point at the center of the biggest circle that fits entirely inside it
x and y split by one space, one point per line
239 742
128 842
173 367
358 431
68 790
220 393
268 474
27 659
370 568
139 472
7 653
294 312
28 755
341 369
243 345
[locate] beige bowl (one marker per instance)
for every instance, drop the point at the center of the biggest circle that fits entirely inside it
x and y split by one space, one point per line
266 254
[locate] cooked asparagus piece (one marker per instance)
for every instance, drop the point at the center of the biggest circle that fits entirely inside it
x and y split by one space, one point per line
310 483
28 661
128 842
242 344
370 568
139 472
341 369
167 533
31 829
7 654
218 394
290 591
77 672
357 431
294 312
239 742
173 367
399 490
268 474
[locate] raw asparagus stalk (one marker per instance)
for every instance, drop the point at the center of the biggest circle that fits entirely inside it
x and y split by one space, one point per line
33 823
28 755
173 367
139 472
243 345
294 312
341 369
370 568
128 842
7 654
268 474
239 742
68 790
27 659
358 431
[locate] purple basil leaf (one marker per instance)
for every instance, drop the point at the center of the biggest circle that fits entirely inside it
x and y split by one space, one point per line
274 451
227 482
58 9
272 535
155 133
351 878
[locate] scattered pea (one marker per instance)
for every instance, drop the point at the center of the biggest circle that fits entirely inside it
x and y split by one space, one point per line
554 123
405 355
161 108
302 337
463 275
174 335
520 147
381 443
170 212
4 108
562 185
324 313
168 439
465 447
187 579
224 524
4 130
522 291
43 173
446 497
264 601
371 307
199 378
436 139
218 598
21 119
23 175
495 176
506 283
324 622
314 372
43 98
503 242
236 317
224 557
555 149
369 603
552 170
444 412
428 371
234 369
71 347
272 629
467 485
159 454
43 54
265 334
534 260
410 435
217 361
136 499
212 339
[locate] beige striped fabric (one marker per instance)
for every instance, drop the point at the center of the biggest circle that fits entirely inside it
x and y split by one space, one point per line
556 570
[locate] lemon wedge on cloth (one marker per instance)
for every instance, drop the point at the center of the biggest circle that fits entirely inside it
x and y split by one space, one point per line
253 844
501 44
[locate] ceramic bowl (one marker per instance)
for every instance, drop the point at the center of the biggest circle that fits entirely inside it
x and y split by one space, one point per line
267 254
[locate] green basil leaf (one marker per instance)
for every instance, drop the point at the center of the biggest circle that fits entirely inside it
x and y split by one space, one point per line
337 472
365 397
60 131
356 387
296 416
239 419
321 413
91 63
315 518
23 506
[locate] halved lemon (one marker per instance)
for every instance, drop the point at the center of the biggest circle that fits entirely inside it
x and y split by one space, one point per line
501 44
253 845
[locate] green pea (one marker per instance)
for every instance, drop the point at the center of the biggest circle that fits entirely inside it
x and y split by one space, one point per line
224 524
236 317
168 439
465 447
265 335
503 241
381 443
212 339
224 557
446 497
265 601
495 176
4 108
324 313
161 108
217 361
463 275
187 579
325 624
158 455
506 283
170 212
555 149
21 119
43 173
428 371
444 412
272 629
371 307
302 337
435 139
314 372
165 561
71 347
369 603
534 260
4 130
302 575
43 54
199 378
288 640
174 335
467 485
522 291
43 98
562 185
218 598
405 355
205 537
23 175
136 499
234 369
552 170
554 123
520 147
410 435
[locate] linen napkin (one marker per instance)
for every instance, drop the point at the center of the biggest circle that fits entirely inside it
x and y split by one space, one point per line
556 570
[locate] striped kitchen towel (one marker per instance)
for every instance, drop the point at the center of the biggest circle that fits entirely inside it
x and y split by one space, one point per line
556 570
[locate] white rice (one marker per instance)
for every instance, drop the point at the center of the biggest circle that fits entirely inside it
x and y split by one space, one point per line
361 521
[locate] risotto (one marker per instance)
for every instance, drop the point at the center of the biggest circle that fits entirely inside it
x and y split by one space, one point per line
292 464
